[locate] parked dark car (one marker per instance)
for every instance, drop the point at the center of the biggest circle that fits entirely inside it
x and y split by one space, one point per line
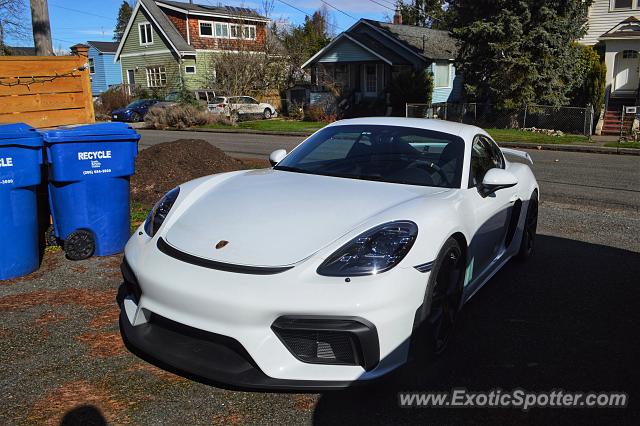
135 111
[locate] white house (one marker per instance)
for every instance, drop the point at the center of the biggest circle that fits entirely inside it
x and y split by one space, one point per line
616 24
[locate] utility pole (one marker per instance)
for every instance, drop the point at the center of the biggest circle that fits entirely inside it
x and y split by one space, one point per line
41 27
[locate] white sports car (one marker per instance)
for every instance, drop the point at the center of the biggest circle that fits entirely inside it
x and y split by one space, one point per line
352 255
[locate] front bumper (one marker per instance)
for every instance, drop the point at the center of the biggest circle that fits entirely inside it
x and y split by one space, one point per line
206 357
244 308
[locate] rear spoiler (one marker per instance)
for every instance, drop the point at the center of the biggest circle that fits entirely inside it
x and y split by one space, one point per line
516 153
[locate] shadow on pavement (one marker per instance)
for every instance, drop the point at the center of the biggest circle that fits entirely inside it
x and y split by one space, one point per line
85 415
568 319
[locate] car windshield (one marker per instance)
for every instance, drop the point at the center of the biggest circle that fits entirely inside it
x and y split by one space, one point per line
138 103
382 153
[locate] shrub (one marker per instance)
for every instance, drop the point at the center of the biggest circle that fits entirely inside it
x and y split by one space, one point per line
320 112
591 75
181 117
111 99
410 87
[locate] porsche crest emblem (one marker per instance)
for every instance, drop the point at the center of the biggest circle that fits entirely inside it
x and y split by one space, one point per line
222 244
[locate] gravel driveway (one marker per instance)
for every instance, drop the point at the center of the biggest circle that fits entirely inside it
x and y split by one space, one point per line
567 319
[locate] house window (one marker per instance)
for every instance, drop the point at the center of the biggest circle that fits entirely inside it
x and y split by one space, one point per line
371 78
222 30
156 76
190 69
629 54
92 66
622 4
247 32
206 29
442 75
146 35
341 75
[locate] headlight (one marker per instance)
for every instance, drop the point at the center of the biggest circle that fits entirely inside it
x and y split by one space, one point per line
372 252
159 213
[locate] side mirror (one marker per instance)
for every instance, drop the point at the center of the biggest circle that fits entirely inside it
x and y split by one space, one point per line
277 156
496 179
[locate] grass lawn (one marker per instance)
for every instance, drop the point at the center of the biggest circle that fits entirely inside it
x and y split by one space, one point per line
500 135
274 125
515 135
635 145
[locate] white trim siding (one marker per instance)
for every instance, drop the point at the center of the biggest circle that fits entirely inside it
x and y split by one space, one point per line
603 17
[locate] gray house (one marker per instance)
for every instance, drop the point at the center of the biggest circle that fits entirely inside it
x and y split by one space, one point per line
364 59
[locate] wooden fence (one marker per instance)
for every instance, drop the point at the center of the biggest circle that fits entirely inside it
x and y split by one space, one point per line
46 91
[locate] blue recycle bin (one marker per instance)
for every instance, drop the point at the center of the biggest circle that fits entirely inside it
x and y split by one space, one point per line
20 174
89 170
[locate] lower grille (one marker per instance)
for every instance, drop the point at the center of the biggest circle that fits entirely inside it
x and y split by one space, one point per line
320 346
329 340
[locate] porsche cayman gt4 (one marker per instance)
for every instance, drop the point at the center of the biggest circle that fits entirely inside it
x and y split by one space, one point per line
348 257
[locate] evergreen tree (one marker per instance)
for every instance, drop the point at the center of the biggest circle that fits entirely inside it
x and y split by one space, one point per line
124 14
425 13
514 52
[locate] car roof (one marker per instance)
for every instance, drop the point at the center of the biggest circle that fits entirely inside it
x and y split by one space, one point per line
465 131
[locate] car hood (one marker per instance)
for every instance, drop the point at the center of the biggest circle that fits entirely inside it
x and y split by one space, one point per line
278 218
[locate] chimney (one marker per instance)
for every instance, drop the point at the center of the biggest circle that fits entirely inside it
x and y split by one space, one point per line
397 17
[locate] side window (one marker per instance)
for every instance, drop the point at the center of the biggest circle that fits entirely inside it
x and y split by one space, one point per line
496 154
482 160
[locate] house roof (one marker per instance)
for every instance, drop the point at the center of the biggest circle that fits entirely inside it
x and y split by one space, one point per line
21 50
163 25
221 9
430 43
104 46
425 43
629 28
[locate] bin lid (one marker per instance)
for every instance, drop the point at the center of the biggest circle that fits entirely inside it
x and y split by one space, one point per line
101 132
19 134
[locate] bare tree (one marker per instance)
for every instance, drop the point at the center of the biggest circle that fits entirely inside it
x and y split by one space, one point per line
12 21
248 67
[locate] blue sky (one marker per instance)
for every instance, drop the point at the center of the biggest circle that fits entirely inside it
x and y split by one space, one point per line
74 21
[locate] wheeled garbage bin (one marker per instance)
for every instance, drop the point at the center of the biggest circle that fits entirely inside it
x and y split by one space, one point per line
89 170
20 174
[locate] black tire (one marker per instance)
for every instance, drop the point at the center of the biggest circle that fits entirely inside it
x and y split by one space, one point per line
527 245
267 114
135 117
441 303
79 245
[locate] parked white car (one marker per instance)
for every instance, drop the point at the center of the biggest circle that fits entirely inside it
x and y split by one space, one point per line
240 107
349 257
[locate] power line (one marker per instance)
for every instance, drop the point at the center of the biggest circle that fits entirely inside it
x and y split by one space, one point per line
394 4
383 5
83 12
339 10
307 14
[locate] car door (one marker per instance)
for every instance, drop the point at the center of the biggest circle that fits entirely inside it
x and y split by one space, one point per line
492 212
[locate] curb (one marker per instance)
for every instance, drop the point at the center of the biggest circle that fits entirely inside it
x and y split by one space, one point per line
521 145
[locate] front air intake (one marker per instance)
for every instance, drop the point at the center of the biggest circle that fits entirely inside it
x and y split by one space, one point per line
335 341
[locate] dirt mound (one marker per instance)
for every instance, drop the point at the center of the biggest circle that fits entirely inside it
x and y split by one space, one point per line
164 166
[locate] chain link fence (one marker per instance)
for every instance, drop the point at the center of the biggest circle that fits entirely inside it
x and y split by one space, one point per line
575 120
